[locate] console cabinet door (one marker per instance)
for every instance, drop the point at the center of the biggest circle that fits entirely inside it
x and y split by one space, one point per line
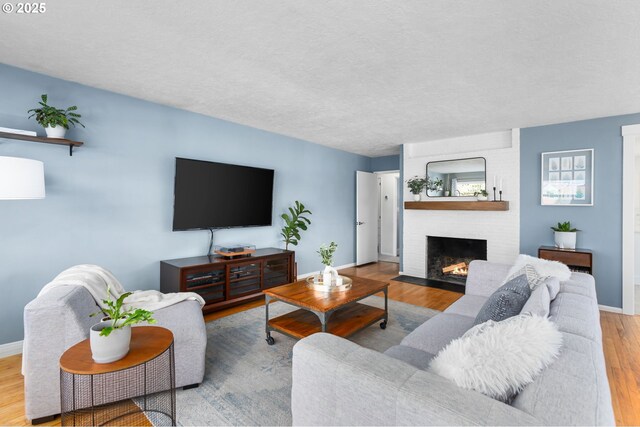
276 272
244 278
208 282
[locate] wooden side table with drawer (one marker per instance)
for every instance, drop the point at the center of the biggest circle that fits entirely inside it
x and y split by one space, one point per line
580 260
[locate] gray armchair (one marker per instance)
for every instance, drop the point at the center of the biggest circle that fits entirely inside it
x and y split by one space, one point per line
60 318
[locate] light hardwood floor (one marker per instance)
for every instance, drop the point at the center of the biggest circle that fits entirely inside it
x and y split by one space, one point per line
621 347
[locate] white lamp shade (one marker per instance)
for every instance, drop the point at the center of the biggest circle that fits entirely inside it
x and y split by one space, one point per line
21 179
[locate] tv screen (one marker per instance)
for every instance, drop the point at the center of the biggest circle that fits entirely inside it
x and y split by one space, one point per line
219 195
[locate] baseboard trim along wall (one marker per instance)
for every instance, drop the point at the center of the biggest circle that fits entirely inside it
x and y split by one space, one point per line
304 276
610 309
10 349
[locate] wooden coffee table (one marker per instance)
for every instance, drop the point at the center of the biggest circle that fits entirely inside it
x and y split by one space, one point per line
337 313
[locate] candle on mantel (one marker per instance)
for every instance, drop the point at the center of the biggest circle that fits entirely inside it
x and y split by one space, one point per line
495 178
500 184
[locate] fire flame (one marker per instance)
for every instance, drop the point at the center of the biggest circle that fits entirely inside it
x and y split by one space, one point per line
460 269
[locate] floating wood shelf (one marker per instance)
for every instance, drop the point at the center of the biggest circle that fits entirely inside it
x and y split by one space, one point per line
58 141
458 206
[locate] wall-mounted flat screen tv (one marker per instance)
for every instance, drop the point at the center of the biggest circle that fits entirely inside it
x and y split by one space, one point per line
219 195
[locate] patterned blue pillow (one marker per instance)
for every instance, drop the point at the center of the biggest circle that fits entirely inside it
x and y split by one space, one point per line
506 302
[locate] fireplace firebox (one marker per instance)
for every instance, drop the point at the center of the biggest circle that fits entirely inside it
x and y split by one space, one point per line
448 260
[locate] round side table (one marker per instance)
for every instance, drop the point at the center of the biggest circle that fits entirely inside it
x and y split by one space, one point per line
136 390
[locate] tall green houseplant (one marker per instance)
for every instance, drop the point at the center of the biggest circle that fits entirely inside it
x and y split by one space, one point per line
294 221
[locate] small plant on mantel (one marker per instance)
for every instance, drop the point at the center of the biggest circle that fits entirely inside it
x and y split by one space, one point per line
55 121
481 195
565 235
416 186
293 223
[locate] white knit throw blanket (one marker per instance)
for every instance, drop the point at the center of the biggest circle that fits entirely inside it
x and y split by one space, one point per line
97 280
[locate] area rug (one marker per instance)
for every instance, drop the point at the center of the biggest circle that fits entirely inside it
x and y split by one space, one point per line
248 382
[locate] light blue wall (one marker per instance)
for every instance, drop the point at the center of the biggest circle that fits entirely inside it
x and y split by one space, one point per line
601 224
385 163
111 203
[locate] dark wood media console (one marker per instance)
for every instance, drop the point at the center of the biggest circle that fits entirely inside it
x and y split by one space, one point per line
227 282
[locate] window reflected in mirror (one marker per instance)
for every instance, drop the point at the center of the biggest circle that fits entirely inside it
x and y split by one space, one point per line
456 178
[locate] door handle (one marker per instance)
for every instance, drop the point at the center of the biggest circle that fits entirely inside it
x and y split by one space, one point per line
359 223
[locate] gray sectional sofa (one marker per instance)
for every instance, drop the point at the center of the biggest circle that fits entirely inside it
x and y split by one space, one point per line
60 318
337 382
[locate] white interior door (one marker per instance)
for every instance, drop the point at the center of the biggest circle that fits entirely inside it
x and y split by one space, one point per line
366 217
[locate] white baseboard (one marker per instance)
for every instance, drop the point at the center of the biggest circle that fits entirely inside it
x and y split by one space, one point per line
610 309
10 349
339 267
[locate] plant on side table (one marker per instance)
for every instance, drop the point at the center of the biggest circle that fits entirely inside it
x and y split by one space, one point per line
55 121
416 185
565 235
110 338
294 223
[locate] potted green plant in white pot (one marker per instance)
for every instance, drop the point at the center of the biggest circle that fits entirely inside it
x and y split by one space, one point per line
55 121
416 185
326 255
481 195
565 235
434 186
110 338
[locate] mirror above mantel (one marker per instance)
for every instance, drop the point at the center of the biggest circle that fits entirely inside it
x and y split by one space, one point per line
456 178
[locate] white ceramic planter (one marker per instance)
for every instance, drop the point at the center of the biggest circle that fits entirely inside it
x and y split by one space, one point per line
55 132
328 275
481 198
565 239
416 197
113 347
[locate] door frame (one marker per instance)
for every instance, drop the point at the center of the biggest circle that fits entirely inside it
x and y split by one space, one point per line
630 134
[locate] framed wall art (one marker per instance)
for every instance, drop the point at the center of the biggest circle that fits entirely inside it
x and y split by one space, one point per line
567 178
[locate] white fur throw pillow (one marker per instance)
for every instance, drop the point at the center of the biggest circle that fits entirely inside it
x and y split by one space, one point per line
499 359
543 267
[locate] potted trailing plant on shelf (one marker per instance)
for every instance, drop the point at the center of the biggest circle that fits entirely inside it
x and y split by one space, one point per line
293 223
326 255
434 185
55 121
416 185
481 195
110 338
565 235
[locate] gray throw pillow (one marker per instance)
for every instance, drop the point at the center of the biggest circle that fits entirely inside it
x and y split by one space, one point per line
506 302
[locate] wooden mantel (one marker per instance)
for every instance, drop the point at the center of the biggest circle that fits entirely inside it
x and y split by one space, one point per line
468 205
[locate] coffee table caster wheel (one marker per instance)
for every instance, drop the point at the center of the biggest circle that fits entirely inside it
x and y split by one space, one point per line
270 340
383 325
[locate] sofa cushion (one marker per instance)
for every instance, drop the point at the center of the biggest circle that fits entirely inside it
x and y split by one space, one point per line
506 302
539 302
437 332
414 357
573 390
468 305
577 314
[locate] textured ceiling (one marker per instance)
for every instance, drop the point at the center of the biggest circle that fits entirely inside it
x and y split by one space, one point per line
362 76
